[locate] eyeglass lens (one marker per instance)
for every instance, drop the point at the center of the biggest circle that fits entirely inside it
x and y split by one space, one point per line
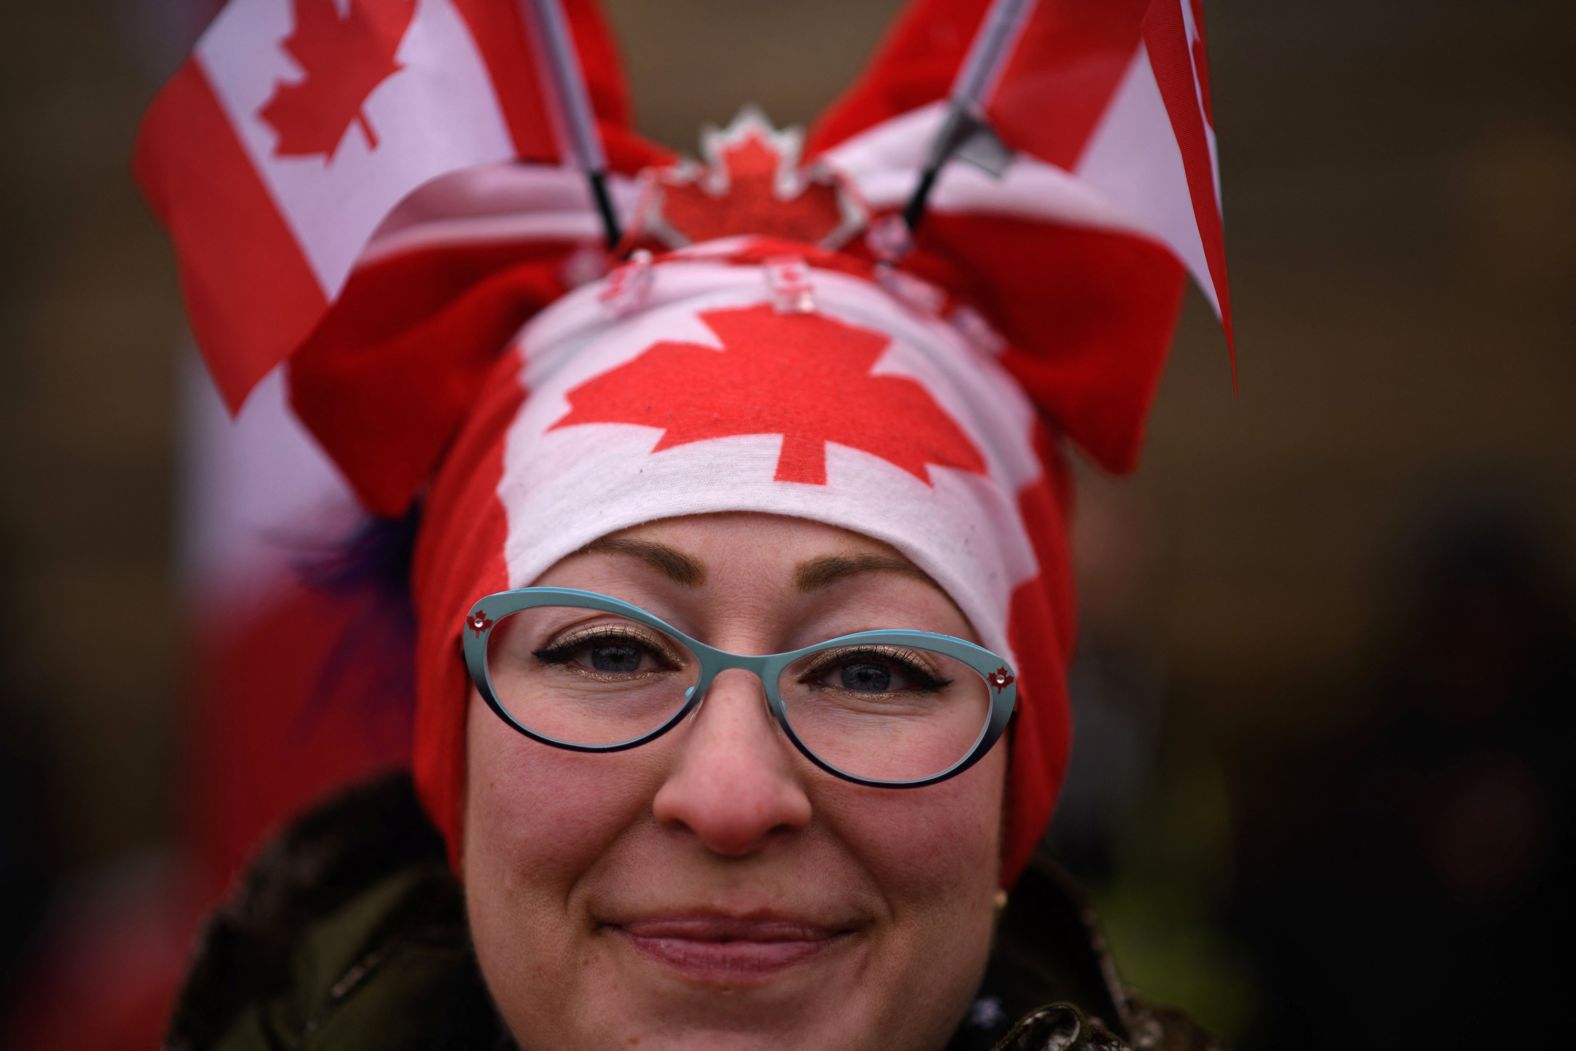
882 712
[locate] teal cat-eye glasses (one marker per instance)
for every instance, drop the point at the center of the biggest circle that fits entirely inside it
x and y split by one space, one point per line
591 673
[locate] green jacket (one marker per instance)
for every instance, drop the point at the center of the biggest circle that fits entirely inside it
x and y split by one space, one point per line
349 933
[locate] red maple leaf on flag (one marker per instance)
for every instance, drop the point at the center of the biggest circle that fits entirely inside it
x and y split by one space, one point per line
342 59
803 376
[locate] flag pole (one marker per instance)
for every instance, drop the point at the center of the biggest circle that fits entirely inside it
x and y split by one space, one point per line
988 52
578 121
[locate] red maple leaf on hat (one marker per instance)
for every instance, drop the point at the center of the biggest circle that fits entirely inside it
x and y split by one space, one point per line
751 184
342 59
803 376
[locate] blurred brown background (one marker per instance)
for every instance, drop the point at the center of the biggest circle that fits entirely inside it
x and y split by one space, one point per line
1327 625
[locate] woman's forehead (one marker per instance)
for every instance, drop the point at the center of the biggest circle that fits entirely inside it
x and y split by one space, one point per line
716 535
796 556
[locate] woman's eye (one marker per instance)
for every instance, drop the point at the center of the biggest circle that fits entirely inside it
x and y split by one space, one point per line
875 673
606 654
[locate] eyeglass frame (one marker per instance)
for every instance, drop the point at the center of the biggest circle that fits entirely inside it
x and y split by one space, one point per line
488 612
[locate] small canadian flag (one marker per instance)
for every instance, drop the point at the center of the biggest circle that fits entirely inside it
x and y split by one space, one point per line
293 130
1106 106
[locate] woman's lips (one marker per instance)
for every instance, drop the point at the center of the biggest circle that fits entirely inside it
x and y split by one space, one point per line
728 948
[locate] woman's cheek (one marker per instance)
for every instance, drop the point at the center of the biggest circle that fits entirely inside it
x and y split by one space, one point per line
935 853
535 812
940 838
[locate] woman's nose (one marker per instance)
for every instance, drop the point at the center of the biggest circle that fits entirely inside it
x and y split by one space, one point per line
735 781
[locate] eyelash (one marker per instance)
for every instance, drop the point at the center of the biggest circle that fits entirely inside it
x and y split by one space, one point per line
926 680
560 651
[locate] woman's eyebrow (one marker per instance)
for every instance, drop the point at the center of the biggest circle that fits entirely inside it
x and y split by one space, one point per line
670 562
823 572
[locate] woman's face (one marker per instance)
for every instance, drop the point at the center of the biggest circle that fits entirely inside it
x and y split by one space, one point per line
712 888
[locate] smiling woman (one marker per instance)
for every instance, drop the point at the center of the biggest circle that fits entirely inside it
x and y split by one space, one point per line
712 887
741 583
